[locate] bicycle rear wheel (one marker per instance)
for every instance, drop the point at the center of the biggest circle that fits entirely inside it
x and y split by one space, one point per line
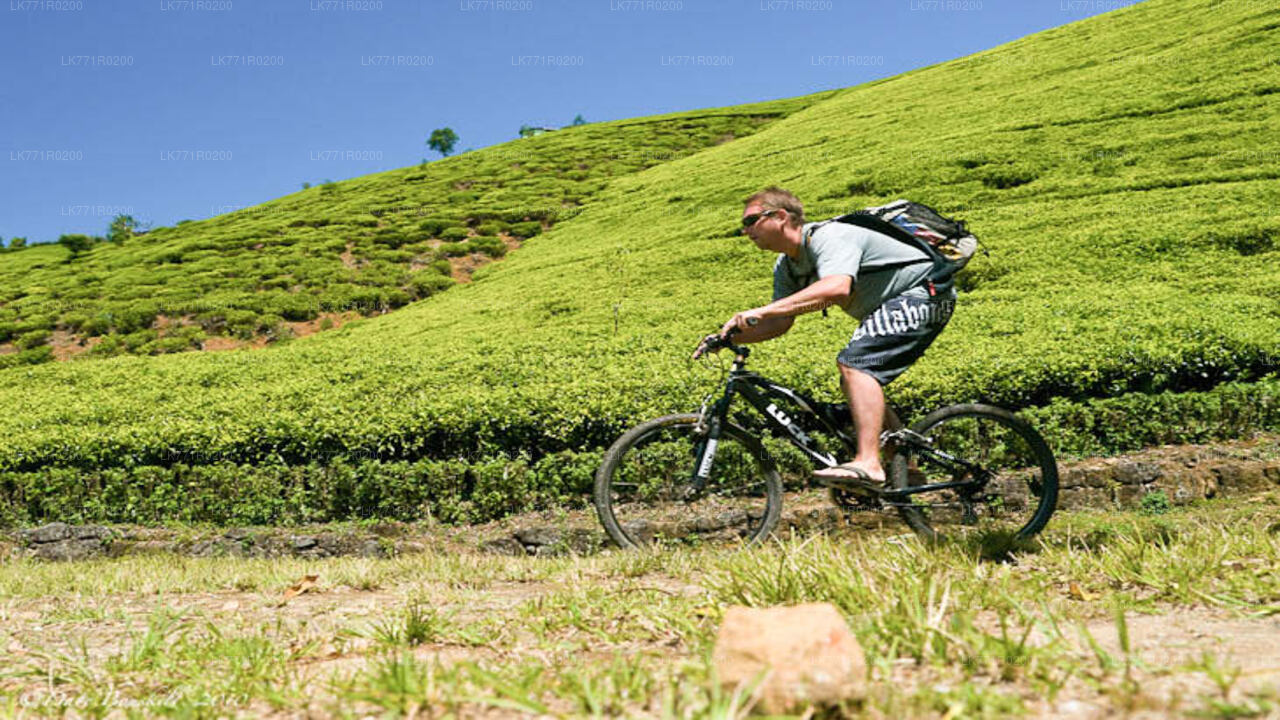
643 490
976 442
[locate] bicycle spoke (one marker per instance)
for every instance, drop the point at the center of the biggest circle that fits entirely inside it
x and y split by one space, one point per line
648 483
1009 479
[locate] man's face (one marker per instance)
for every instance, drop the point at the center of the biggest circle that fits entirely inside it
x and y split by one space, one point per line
766 231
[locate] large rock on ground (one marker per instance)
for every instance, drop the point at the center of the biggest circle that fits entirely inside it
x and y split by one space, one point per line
805 654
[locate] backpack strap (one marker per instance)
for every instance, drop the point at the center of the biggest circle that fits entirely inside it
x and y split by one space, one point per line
942 271
807 235
805 238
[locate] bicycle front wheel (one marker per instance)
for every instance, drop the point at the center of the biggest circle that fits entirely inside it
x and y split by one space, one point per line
644 493
1010 476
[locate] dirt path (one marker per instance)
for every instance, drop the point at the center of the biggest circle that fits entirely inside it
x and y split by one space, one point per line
1177 654
331 633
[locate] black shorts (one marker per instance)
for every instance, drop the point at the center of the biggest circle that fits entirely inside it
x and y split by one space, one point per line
897 333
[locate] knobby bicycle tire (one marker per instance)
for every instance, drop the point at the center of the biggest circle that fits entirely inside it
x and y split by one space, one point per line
1010 446
666 515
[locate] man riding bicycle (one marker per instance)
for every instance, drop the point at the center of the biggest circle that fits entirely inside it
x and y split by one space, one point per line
878 280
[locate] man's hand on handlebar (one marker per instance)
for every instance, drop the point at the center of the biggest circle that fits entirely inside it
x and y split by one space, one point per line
709 344
718 341
742 321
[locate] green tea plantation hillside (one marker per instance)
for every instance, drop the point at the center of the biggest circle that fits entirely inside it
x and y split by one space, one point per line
1121 171
342 249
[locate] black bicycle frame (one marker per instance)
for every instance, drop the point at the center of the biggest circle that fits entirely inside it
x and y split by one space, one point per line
957 466
760 393
763 395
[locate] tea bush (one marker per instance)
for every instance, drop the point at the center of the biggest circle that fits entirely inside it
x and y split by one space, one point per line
434 226
226 493
454 249
526 229
428 283
490 246
34 356
32 339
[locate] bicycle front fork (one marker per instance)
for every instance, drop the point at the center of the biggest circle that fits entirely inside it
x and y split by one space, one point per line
705 456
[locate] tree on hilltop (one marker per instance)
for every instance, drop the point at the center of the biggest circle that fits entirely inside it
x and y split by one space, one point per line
122 228
442 140
77 244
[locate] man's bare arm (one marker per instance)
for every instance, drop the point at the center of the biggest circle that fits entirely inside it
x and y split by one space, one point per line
830 290
775 318
766 329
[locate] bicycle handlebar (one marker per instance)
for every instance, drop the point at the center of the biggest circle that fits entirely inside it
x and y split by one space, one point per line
720 342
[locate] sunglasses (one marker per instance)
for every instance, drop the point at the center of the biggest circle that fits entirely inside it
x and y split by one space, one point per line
754 218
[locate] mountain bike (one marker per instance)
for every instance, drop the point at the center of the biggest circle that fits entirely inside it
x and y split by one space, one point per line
695 477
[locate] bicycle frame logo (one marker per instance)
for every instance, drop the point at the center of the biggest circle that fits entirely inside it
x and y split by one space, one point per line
803 440
781 417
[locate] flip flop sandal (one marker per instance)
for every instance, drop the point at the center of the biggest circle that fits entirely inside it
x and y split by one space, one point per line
848 476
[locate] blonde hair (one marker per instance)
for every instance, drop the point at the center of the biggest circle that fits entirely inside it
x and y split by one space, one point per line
775 198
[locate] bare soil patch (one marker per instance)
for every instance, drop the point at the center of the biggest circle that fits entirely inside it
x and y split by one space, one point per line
349 259
465 266
1168 652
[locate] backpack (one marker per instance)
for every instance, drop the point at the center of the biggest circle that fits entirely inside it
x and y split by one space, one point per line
947 242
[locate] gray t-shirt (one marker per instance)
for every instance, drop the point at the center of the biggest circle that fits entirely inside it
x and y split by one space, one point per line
838 248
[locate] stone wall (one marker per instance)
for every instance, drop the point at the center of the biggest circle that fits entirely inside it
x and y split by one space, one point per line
1184 474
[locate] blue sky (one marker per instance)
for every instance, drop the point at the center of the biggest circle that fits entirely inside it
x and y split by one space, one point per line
175 109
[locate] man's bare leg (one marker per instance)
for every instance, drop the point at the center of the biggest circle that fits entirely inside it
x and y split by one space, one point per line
867 406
